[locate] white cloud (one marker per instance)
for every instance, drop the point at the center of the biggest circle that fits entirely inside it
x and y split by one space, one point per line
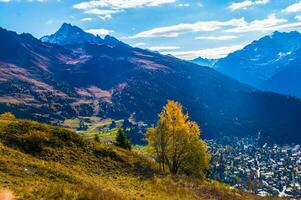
140 44
298 17
102 13
270 23
120 4
87 19
246 4
240 5
163 48
183 5
105 8
293 8
267 24
100 32
222 37
285 27
218 52
201 26
262 2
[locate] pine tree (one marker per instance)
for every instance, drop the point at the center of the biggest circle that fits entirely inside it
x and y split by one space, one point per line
122 141
96 137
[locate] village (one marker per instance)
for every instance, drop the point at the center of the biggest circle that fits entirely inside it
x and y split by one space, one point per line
260 169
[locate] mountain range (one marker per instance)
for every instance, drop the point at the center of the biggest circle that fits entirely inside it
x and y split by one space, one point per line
65 75
271 63
204 61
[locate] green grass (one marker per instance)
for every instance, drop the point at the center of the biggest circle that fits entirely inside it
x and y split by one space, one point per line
94 125
107 137
72 124
39 161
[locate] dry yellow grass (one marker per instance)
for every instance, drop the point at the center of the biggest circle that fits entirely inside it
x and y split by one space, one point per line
67 167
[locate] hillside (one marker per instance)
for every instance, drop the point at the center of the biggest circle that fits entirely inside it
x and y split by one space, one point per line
50 83
39 161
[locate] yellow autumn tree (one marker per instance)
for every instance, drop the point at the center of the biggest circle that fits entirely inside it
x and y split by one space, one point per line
176 142
7 115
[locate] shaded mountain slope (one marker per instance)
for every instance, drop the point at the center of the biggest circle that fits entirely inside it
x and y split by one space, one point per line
287 79
119 81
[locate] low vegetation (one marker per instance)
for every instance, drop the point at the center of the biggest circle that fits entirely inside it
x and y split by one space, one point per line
38 161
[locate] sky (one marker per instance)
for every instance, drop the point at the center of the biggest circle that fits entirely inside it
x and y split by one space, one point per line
184 28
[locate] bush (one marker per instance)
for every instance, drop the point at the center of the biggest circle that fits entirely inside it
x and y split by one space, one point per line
22 136
34 141
32 137
65 137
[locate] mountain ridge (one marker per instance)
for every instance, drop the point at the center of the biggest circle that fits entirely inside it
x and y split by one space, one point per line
69 34
50 82
259 61
204 61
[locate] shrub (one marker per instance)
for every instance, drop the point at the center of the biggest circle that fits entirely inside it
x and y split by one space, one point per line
21 135
34 141
67 137
32 137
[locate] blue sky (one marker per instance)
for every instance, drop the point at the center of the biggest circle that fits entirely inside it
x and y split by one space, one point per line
184 28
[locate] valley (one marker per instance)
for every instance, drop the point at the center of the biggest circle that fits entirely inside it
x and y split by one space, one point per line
243 163
74 94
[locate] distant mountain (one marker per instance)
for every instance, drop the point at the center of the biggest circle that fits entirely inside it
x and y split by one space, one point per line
69 34
49 82
204 62
72 35
263 59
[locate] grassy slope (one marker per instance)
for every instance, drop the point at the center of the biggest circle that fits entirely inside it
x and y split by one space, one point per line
44 162
94 126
